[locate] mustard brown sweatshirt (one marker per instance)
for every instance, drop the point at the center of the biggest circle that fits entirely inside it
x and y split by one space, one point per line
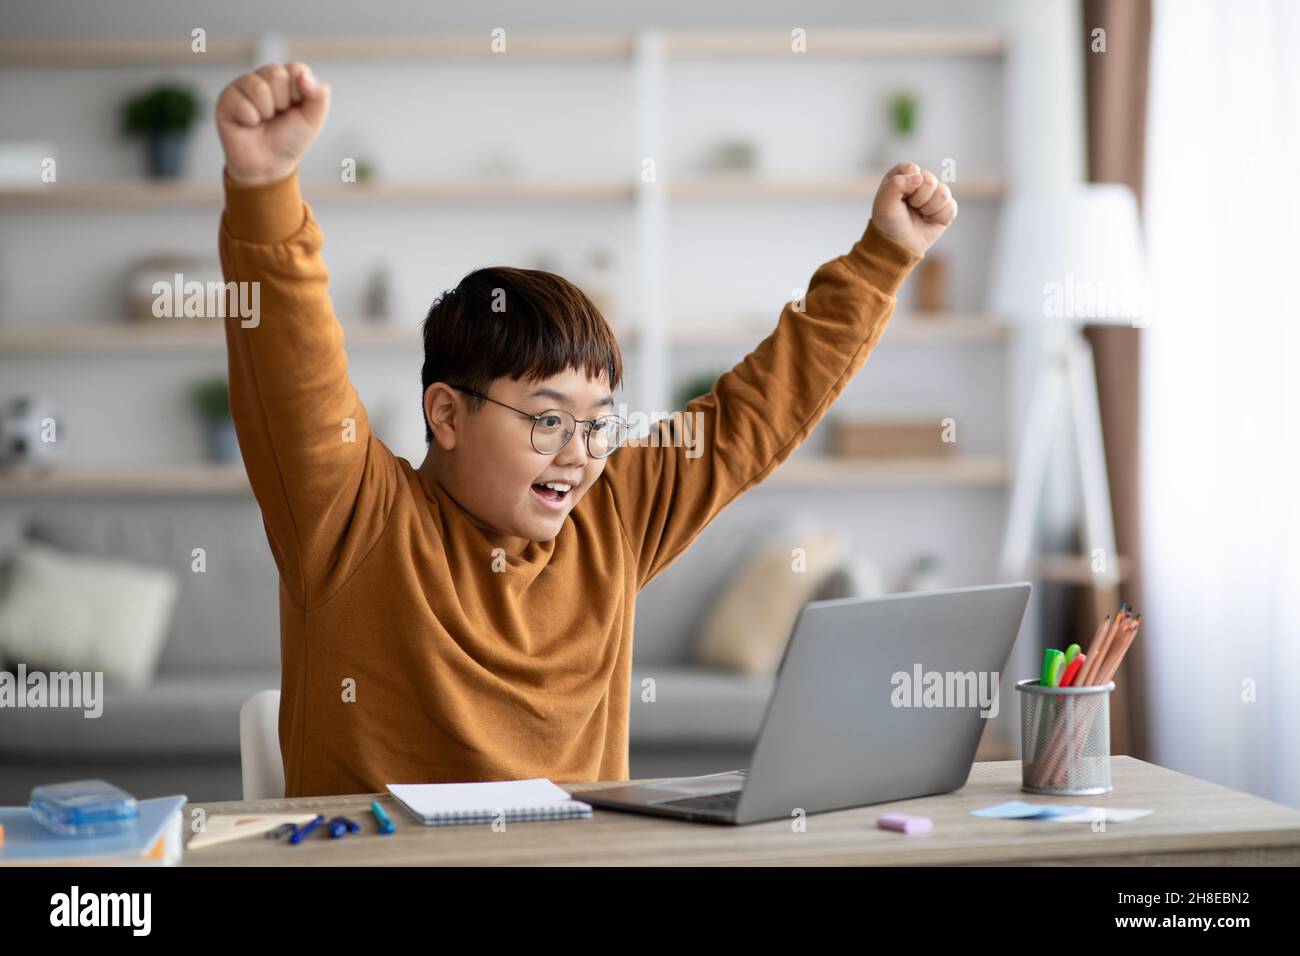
405 657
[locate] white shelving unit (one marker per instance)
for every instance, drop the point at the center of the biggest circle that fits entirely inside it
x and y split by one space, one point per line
656 334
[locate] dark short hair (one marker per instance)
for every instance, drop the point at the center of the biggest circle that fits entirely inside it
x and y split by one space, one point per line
519 323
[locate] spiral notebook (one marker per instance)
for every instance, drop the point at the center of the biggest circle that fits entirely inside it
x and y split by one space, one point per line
446 804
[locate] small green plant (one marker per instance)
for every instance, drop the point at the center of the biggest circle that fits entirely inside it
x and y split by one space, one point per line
211 398
696 386
902 112
165 108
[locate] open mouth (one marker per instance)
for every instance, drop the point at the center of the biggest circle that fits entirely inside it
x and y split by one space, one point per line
552 494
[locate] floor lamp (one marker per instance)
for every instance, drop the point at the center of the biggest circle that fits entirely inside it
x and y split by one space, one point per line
1064 260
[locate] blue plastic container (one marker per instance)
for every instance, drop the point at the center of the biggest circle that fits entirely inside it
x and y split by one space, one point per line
83 808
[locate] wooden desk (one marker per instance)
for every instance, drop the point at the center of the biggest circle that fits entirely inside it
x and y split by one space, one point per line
1195 823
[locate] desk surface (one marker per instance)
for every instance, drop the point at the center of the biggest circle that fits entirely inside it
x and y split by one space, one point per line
1195 823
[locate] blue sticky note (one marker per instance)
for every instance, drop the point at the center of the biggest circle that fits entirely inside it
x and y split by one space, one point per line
1019 810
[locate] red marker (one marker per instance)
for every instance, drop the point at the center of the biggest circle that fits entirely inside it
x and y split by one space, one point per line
1067 679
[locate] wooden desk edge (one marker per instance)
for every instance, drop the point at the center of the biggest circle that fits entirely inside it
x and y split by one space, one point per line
1268 846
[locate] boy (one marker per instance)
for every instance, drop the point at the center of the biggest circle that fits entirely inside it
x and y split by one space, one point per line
471 619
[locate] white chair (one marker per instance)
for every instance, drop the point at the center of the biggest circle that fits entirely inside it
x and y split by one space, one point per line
259 746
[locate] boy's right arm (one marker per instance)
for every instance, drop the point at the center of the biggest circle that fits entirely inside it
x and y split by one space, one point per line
323 482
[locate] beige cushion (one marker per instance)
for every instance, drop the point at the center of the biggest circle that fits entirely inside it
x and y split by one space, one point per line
749 624
65 611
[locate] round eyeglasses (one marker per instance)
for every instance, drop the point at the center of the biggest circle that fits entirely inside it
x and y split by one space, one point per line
552 429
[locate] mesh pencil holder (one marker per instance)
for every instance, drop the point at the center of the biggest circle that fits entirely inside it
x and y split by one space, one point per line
1064 738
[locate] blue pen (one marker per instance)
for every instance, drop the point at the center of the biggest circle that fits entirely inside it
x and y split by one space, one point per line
298 835
341 826
385 824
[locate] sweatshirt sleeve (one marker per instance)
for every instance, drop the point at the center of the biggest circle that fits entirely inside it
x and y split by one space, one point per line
323 482
670 486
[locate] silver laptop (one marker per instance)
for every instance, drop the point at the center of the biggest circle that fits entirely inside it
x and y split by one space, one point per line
876 699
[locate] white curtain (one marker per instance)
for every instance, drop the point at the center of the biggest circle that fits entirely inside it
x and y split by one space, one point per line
1221 394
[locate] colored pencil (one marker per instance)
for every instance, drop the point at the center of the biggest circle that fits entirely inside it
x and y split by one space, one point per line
1054 769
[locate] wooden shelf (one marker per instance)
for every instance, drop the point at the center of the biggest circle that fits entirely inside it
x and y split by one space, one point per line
143 193
745 186
225 480
202 336
828 472
134 481
110 52
946 328
121 336
568 46
822 43
519 46
728 188
831 42
1072 569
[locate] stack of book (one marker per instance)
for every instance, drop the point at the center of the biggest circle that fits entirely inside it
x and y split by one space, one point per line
155 839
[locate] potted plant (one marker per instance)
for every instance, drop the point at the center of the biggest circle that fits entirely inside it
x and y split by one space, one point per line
163 115
697 385
899 144
211 398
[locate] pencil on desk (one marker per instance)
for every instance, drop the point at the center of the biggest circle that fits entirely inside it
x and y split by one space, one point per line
1126 641
1091 654
1114 650
1097 649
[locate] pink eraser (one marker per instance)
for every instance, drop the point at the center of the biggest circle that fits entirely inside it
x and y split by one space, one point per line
904 823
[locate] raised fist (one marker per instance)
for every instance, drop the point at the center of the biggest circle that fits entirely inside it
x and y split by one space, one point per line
268 119
913 206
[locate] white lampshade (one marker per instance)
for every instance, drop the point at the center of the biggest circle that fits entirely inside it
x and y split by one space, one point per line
1074 256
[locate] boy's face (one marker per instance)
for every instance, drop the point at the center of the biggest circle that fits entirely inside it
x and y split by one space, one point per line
497 471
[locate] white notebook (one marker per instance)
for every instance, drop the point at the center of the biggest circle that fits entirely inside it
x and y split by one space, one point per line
444 804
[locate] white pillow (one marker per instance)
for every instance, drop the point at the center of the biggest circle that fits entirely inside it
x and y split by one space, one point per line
65 611
748 627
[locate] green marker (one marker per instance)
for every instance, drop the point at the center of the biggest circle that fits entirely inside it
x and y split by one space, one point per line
1071 653
1053 664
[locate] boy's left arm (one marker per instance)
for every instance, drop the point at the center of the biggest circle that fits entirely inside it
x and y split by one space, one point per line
673 484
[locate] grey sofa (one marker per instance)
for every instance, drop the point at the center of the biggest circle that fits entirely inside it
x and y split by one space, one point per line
181 735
